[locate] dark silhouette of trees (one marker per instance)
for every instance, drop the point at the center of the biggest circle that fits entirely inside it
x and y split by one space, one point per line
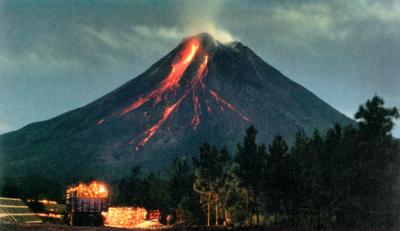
210 174
181 196
276 189
129 190
251 161
346 178
377 163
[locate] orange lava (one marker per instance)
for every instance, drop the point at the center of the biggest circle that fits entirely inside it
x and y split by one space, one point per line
170 85
196 116
171 82
228 105
153 129
194 84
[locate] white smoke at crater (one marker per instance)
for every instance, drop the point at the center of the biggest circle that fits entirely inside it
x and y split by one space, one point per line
201 16
193 17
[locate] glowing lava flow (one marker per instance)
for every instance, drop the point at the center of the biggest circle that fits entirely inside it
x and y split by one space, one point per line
170 83
151 131
228 105
198 82
196 116
167 112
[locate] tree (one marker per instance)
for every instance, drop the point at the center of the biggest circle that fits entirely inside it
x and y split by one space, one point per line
377 162
129 189
209 174
333 167
180 183
301 175
375 122
190 208
251 161
346 179
276 189
224 184
155 193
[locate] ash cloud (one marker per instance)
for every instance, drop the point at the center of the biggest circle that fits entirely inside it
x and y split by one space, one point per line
201 16
193 17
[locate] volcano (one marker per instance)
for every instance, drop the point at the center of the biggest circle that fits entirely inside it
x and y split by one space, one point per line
202 91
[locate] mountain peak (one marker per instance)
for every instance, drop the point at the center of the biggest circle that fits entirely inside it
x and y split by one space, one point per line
202 91
205 40
205 37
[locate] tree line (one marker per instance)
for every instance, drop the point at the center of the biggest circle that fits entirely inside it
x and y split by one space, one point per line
343 179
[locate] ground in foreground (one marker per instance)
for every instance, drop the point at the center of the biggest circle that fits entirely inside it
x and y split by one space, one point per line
58 227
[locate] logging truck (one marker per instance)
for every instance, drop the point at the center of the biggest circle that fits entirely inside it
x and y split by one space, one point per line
85 204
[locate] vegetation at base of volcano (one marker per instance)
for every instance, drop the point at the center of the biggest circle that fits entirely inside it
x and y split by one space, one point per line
346 178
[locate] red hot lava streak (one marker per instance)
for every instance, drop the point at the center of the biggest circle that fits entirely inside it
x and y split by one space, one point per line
228 105
196 116
153 129
196 82
170 84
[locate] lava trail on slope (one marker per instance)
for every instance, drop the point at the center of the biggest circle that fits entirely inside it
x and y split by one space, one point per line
170 85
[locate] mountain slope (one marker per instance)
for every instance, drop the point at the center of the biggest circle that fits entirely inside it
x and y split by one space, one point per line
201 91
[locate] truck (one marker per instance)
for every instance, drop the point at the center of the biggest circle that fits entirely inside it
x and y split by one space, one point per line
85 204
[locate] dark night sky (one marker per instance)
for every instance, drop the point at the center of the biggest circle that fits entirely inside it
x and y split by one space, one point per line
59 55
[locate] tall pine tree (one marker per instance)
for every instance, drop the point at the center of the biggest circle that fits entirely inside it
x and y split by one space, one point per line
251 162
277 179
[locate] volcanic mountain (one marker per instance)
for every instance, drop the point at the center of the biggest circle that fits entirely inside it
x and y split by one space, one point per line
201 91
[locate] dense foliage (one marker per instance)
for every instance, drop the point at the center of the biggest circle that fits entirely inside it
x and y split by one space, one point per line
346 178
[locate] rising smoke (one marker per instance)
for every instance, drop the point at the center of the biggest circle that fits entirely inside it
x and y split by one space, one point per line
194 17
202 16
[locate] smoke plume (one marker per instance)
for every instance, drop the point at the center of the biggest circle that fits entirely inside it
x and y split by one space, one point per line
202 16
